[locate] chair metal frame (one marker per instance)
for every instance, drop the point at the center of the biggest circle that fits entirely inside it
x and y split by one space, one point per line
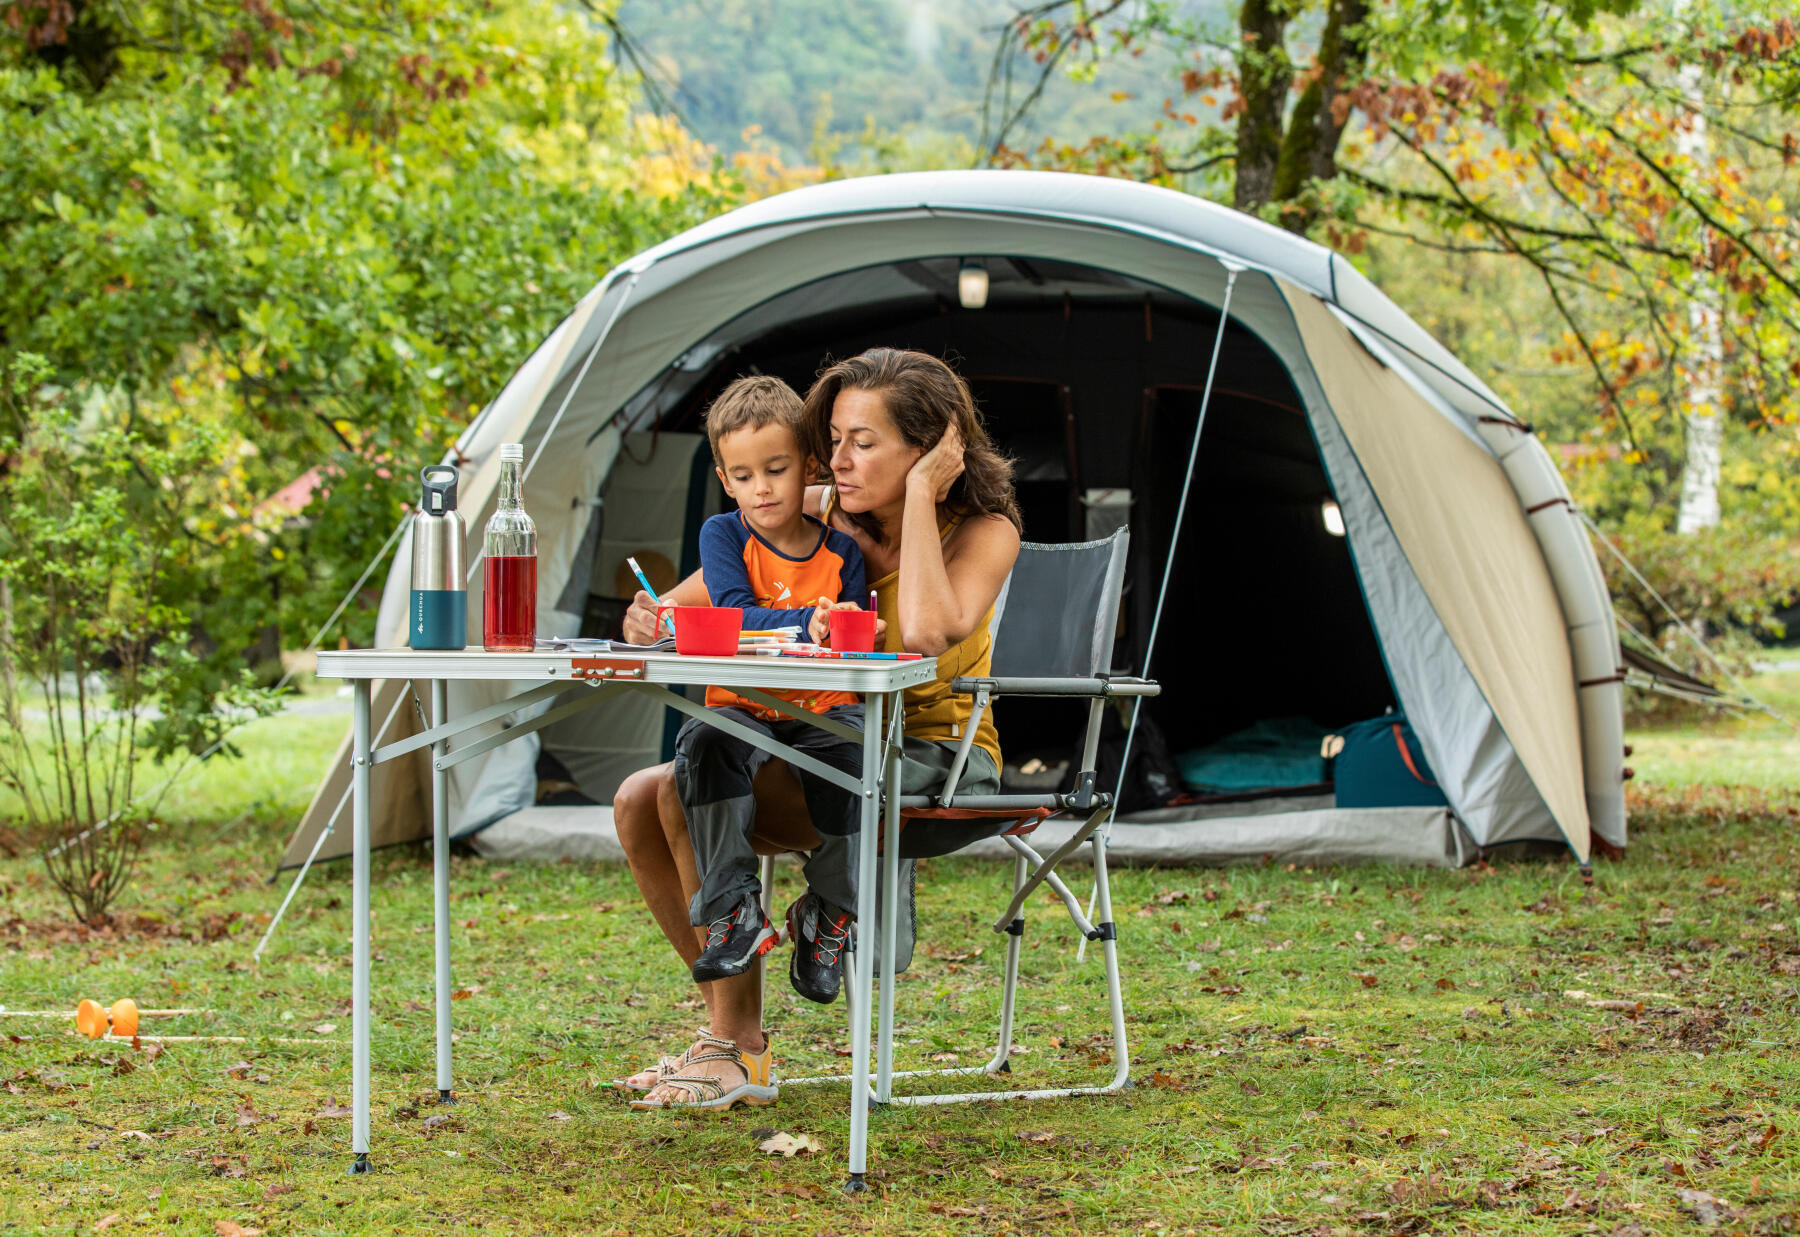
1030 870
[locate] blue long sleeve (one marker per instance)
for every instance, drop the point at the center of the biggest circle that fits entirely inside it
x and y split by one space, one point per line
728 583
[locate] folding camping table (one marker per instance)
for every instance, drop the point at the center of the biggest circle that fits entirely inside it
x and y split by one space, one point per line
569 683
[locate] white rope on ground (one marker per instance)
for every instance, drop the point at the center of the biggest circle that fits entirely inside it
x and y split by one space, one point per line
1686 630
1232 270
192 760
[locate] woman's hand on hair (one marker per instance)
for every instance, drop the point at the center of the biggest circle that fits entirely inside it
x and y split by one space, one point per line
937 470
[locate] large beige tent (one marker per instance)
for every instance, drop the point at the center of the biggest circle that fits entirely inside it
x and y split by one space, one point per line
1460 589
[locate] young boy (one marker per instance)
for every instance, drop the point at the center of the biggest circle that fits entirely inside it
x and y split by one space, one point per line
779 564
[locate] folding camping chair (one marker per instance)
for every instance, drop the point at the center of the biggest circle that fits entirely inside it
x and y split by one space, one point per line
1053 635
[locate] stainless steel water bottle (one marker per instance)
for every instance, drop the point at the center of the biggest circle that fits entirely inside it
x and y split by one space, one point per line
440 598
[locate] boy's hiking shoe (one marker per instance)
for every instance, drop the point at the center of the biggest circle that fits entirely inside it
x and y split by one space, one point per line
734 941
821 933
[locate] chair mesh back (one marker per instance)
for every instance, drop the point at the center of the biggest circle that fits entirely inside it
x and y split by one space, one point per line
1056 614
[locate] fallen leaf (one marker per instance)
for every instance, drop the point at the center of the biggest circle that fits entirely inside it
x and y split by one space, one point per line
1037 1136
231 1228
226 1166
800 1189
560 1115
277 1190
240 1070
106 1222
334 1109
1446 985
325 1028
1368 980
134 1134
1249 1088
790 1145
1706 1208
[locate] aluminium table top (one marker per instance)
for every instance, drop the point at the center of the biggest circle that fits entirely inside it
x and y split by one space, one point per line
744 670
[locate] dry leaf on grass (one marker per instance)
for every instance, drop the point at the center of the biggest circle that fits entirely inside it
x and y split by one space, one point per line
790 1145
231 1228
325 1028
1706 1208
560 1115
107 1222
134 1134
247 1114
276 1191
1037 1136
334 1109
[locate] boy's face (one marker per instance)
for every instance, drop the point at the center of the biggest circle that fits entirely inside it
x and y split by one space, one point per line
765 472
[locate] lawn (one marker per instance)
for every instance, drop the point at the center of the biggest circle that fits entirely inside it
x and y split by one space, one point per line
1363 1050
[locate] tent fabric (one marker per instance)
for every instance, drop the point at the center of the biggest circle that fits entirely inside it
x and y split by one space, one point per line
1425 837
646 334
1475 763
1459 523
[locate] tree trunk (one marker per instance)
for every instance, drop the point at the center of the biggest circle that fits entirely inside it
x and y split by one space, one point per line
1703 401
1264 75
1309 149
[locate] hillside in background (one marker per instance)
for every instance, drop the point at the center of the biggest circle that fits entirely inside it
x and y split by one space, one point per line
808 72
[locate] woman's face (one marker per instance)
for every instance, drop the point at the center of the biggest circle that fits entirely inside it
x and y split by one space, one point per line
869 458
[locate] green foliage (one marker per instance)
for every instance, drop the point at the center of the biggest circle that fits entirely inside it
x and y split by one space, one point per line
331 236
1726 584
94 564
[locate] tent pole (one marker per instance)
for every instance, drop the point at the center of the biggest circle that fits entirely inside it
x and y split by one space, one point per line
1232 270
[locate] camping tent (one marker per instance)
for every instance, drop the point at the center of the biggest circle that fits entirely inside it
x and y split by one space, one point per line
1461 589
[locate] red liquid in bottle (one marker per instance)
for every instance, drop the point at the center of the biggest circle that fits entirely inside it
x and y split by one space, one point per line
509 604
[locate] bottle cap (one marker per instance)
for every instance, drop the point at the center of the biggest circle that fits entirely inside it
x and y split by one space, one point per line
512 450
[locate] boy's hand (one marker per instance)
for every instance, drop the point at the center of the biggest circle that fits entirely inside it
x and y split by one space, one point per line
640 619
820 627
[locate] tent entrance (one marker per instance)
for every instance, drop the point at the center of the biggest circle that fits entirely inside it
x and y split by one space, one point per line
1091 381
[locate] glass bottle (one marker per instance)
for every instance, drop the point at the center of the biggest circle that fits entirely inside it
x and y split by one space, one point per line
509 556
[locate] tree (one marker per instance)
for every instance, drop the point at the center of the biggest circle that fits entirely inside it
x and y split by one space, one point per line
1560 136
269 240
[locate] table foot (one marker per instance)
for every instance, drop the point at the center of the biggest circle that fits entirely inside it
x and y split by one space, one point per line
856 1184
445 1097
361 1164
1005 1068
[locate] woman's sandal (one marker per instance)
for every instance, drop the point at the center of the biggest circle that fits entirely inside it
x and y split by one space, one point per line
664 1067
706 1091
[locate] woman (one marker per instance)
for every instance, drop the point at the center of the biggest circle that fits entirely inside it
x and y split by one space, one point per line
929 501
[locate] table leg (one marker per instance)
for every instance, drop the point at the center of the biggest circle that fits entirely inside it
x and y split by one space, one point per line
359 815
862 982
890 917
440 872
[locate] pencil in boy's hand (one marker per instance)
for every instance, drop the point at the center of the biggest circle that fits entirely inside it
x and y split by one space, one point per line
654 599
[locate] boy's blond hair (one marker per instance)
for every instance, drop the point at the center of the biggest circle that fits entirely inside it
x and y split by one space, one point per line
751 403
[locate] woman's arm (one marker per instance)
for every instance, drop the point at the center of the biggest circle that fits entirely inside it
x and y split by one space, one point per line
942 601
640 619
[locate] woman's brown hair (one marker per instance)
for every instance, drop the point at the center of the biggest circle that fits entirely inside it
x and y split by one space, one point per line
922 396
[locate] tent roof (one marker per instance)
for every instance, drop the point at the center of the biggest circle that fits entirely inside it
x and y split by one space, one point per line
1119 206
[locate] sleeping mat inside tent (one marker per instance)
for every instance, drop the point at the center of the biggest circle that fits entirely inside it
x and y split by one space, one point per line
1278 751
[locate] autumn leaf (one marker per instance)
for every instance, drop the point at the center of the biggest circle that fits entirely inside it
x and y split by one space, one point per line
1037 1136
334 1109
790 1145
325 1028
231 1228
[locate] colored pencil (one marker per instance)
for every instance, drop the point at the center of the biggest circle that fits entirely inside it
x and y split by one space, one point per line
637 571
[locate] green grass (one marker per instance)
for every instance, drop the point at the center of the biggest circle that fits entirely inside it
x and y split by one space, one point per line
1366 1050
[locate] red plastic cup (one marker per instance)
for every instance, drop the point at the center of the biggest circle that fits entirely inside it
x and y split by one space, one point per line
853 631
705 631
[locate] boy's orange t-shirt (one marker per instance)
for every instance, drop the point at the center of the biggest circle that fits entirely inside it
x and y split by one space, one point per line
743 570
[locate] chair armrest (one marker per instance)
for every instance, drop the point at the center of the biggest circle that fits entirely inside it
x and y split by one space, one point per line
1089 687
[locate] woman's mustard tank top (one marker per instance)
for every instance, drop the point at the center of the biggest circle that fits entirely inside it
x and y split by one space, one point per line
933 711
